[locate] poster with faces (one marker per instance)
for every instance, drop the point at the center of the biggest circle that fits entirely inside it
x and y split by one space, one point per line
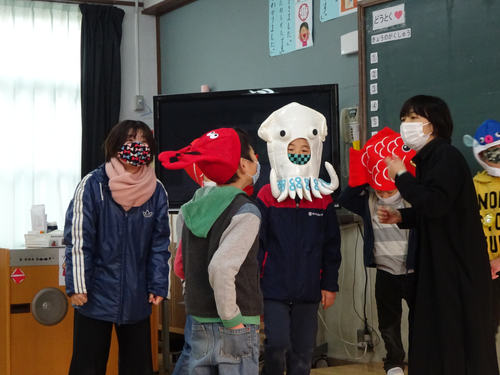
290 25
303 24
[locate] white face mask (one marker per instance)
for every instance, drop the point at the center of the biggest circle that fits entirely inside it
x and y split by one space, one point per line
209 183
413 135
390 200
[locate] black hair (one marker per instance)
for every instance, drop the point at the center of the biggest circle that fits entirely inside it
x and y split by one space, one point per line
304 24
245 151
120 133
433 109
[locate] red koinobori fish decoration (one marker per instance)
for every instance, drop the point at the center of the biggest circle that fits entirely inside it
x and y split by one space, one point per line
367 166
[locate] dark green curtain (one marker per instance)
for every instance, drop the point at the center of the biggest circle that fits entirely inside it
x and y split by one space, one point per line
101 79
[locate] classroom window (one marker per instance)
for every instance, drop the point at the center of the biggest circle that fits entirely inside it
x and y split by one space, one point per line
40 113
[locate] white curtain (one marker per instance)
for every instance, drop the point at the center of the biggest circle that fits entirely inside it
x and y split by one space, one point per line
40 114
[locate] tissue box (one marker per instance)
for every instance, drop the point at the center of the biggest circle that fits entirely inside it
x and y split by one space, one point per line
36 240
54 238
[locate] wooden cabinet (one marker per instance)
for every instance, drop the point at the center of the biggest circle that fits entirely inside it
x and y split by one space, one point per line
27 346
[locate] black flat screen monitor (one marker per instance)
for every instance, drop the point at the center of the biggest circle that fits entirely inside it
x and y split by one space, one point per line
179 119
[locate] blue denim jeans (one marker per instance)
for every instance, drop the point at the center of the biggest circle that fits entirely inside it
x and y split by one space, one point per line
224 351
182 364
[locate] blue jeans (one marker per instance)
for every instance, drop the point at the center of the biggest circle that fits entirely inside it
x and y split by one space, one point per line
182 364
224 351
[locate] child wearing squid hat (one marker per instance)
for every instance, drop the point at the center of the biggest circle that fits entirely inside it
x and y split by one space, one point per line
219 249
386 247
299 237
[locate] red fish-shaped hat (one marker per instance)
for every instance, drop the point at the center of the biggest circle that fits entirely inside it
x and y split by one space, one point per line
217 153
367 166
195 172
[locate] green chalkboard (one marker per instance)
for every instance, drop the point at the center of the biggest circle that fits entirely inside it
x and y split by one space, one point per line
445 48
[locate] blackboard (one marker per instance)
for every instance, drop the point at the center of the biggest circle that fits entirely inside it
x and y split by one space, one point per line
451 49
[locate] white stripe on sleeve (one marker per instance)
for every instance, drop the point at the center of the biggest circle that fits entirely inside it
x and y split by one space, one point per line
77 236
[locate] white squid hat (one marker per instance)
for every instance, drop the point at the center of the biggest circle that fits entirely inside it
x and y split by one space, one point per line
284 125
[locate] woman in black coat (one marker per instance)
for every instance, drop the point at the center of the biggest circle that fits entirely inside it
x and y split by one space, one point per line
452 331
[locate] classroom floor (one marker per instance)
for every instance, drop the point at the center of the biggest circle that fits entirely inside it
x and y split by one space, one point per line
359 369
347 369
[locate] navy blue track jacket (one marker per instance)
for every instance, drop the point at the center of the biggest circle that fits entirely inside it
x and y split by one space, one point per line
299 249
115 256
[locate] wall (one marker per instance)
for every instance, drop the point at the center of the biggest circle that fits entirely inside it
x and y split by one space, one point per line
147 65
224 44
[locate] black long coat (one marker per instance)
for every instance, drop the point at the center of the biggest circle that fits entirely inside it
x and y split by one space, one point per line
452 331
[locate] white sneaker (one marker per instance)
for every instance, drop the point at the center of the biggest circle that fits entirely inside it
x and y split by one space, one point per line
395 371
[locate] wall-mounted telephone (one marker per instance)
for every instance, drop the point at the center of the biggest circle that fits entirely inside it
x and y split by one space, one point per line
349 126
349 132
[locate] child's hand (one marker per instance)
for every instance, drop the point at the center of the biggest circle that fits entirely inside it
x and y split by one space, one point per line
78 299
327 298
155 299
388 215
241 325
495 268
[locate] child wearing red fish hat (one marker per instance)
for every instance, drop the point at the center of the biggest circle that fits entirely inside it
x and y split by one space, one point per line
195 172
452 331
386 247
219 254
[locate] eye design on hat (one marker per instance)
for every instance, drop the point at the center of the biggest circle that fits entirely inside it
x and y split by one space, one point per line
212 135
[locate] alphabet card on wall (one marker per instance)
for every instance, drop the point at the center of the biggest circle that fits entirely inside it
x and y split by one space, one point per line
290 25
330 9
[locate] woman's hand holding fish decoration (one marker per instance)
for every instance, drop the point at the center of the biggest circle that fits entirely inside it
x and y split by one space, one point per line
394 166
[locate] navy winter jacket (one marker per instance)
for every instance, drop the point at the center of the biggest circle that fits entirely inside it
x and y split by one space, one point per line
356 199
299 248
115 256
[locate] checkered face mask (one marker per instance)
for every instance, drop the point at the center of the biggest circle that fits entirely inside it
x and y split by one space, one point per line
135 153
299 159
492 155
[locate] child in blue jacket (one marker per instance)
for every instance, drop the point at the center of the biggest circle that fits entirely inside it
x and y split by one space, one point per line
117 258
299 238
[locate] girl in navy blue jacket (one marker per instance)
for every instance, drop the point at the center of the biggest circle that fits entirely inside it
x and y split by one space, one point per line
117 238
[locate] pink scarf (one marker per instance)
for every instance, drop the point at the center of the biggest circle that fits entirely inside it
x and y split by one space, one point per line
130 190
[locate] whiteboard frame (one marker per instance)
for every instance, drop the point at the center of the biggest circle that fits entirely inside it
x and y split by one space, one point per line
363 5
